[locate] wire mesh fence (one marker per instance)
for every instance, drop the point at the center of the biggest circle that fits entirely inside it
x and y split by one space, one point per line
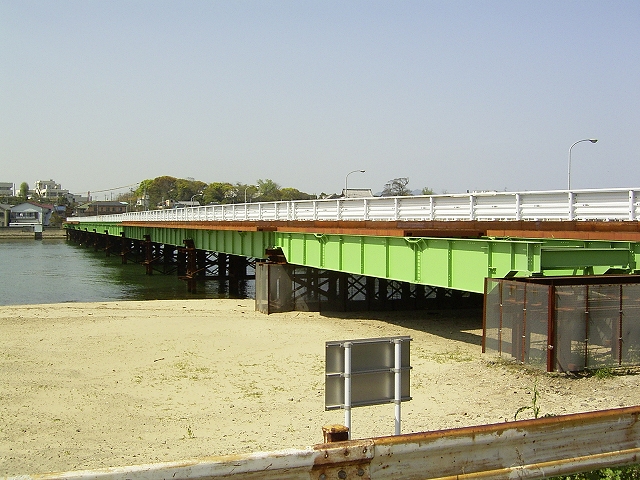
564 323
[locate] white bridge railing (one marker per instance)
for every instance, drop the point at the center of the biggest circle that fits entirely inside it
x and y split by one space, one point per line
609 204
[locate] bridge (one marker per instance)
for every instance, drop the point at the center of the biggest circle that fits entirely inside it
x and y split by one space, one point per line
545 261
450 241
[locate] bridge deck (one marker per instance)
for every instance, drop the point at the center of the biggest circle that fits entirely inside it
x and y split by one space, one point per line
453 241
570 230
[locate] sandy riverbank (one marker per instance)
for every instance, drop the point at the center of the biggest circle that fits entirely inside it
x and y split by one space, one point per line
86 386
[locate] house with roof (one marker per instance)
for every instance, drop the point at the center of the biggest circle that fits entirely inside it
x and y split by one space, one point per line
356 193
91 209
29 214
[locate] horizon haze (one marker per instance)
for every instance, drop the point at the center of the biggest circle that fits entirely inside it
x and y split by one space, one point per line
454 95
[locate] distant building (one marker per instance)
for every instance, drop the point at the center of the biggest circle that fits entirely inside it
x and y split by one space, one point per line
178 204
91 209
29 214
357 193
49 189
77 198
7 189
143 202
186 203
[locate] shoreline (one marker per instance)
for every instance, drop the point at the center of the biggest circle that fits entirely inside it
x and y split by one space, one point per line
18 233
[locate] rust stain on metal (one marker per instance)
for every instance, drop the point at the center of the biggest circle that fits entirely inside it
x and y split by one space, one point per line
343 460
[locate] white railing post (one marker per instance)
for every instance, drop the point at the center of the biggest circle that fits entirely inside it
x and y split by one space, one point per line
572 198
632 205
518 207
472 207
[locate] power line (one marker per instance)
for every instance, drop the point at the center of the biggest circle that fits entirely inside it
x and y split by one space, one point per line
113 189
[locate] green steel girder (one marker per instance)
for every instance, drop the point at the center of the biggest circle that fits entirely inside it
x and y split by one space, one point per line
461 264
248 244
114 229
554 258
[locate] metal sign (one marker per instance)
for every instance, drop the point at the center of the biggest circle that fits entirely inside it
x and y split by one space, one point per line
367 371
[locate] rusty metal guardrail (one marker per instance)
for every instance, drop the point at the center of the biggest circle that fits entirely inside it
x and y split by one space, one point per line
597 204
530 449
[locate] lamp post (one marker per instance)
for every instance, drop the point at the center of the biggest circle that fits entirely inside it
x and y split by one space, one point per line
346 182
592 140
194 196
245 192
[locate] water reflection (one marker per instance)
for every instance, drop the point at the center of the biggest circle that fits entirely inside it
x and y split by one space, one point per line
56 271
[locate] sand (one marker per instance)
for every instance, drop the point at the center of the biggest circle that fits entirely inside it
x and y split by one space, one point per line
87 386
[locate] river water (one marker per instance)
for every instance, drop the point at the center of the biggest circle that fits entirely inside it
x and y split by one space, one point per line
57 271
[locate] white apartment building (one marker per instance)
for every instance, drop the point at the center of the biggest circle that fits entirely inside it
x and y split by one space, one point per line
49 189
6 189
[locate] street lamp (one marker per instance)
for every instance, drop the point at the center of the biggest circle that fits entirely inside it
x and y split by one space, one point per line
592 140
194 196
346 180
245 192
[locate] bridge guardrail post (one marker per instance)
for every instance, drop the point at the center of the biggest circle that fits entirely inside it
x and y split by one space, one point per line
472 207
571 205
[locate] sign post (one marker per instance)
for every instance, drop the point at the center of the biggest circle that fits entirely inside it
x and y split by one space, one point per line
367 371
397 373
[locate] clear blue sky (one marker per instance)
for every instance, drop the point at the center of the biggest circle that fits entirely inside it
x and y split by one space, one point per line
455 95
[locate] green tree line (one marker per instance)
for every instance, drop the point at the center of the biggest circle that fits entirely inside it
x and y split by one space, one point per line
160 189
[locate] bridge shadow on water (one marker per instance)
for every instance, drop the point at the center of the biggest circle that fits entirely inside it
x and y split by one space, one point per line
459 324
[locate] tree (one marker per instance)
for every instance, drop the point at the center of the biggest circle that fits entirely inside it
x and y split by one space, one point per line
427 191
185 189
24 191
56 220
268 190
247 193
396 188
219 192
156 190
294 194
